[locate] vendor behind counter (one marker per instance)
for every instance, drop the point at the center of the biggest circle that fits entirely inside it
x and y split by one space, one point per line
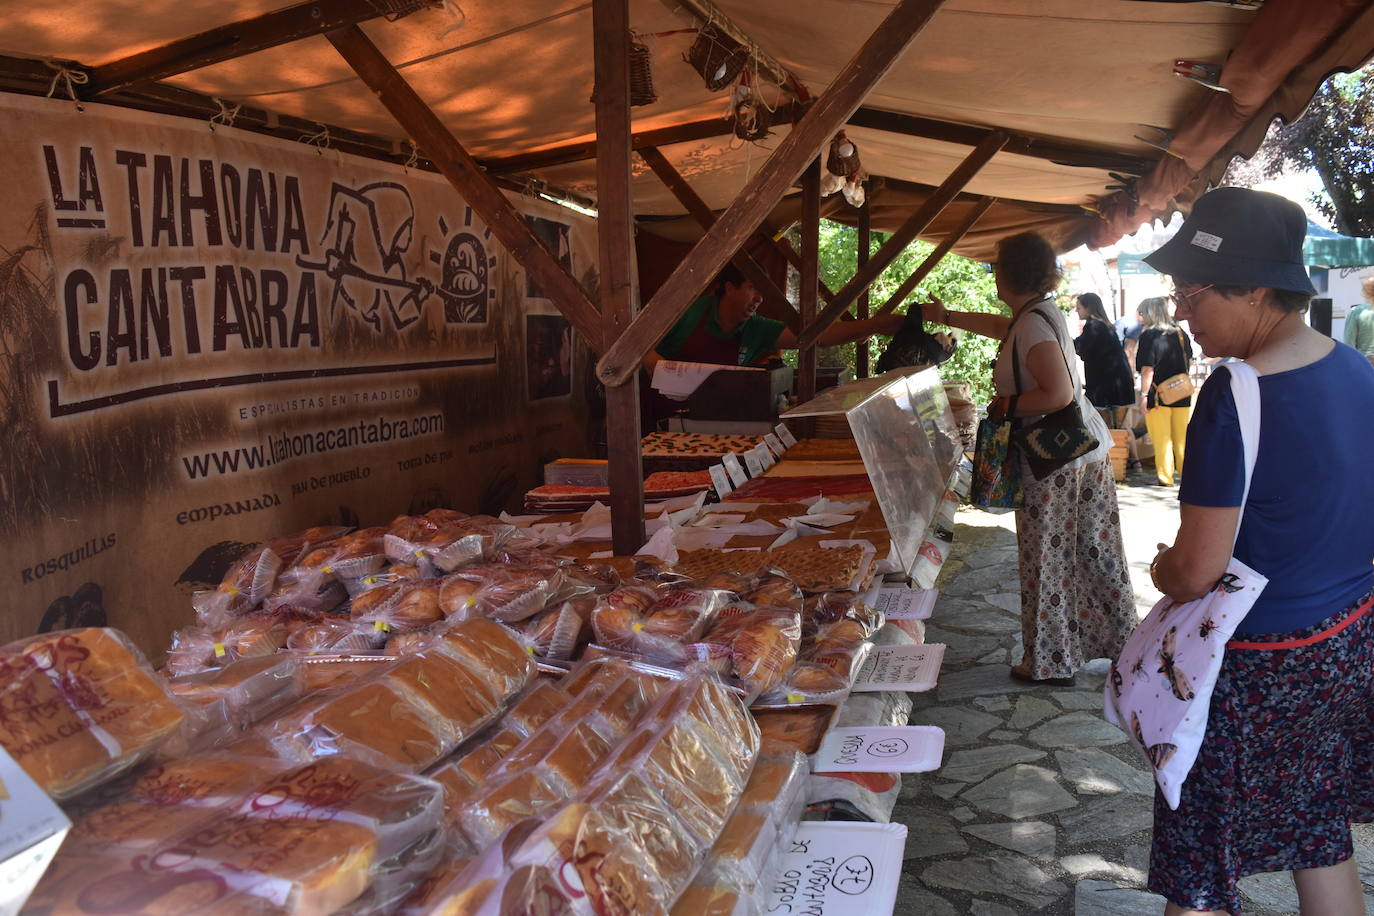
723 328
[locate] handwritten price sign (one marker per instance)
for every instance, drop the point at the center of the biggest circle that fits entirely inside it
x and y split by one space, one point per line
839 869
880 749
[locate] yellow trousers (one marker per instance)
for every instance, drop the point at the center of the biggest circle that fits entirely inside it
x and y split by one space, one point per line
1168 426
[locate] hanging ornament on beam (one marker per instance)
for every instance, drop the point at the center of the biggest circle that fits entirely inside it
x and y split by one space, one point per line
752 118
716 57
843 171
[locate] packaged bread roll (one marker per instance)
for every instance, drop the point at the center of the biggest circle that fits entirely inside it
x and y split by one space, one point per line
201 781
487 646
79 707
374 717
628 849
536 706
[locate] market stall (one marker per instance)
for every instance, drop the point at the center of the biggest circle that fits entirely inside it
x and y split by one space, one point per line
293 314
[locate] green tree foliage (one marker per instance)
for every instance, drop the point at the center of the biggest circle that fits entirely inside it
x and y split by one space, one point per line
959 282
1335 138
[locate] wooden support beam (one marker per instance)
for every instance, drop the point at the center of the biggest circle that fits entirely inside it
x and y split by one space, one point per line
907 232
933 259
968 135
468 179
616 250
867 67
865 243
700 212
810 275
237 39
663 136
871 118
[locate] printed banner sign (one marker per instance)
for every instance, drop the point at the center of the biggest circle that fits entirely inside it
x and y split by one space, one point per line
212 337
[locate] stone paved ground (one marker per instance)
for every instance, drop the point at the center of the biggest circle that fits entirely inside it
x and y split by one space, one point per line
1040 806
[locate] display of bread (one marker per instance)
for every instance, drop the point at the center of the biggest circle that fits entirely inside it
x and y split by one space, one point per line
368 722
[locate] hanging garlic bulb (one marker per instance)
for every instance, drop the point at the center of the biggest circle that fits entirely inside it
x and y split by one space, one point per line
830 183
854 192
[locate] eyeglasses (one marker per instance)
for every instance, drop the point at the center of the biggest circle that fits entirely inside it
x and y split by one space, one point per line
1179 297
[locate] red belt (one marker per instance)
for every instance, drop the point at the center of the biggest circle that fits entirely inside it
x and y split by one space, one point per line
1308 640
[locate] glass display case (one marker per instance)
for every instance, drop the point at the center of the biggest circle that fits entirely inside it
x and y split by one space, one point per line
909 442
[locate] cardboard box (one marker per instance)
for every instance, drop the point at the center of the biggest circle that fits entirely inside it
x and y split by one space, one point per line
31 829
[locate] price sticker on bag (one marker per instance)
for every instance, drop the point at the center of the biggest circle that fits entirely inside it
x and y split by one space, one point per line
720 480
735 469
785 435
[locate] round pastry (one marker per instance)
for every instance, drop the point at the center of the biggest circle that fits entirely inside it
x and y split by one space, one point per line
816 679
776 591
417 607
458 596
370 601
846 629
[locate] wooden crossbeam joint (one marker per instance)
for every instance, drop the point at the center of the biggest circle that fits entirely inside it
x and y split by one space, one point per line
933 260
237 39
468 179
907 232
699 211
863 71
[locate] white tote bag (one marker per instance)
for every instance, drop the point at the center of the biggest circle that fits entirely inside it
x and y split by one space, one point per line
1160 689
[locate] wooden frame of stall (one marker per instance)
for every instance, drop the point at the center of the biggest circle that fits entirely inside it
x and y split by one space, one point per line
622 333
614 327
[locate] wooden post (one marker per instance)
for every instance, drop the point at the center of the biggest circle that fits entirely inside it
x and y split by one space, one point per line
810 275
699 211
615 242
865 241
468 179
935 257
864 70
906 234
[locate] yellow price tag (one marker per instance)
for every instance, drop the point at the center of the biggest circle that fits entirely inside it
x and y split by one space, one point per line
795 698
382 625
219 650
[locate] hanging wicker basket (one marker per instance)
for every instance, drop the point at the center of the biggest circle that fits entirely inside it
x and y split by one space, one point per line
717 57
752 120
641 76
837 164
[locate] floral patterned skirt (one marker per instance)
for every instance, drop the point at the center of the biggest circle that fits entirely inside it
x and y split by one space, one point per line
1286 766
1076 598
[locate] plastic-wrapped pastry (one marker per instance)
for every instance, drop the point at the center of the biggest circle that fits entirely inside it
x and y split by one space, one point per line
80 707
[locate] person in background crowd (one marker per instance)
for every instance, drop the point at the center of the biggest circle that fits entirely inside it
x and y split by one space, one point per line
1076 598
1359 322
1164 352
1128 330
1107 377
1287 761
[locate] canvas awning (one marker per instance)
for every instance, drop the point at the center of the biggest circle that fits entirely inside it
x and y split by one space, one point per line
1325 248
1072 82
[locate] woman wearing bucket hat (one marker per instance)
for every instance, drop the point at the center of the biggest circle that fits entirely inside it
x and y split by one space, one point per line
1287 762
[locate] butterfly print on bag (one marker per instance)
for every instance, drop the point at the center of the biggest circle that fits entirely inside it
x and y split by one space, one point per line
1116 681
1177 680
1159 754
1206 627
1229 583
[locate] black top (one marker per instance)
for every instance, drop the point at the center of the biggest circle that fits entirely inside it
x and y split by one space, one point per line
1169 351
1106 372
